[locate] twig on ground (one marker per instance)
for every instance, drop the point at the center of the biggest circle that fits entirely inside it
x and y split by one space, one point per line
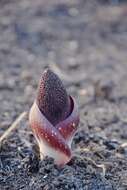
102 166
81 150
123 145
13 126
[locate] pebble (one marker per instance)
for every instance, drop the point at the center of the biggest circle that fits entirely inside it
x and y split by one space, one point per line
111 144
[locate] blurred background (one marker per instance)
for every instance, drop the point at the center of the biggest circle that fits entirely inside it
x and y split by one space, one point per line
85 43
82 41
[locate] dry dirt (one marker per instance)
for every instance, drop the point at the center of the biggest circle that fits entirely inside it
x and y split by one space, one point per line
85 43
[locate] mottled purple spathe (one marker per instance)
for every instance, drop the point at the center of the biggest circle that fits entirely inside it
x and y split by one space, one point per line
54 119
52 98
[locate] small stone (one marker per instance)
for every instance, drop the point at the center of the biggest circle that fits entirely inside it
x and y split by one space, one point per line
73 12
111 145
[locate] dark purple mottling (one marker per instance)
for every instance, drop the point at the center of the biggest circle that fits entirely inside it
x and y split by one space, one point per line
52 98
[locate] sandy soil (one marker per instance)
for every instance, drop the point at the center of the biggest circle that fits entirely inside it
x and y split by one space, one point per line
85 43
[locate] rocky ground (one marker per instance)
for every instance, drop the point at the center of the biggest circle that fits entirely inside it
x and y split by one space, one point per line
85 43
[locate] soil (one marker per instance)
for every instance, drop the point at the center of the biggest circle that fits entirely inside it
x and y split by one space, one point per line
85 43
